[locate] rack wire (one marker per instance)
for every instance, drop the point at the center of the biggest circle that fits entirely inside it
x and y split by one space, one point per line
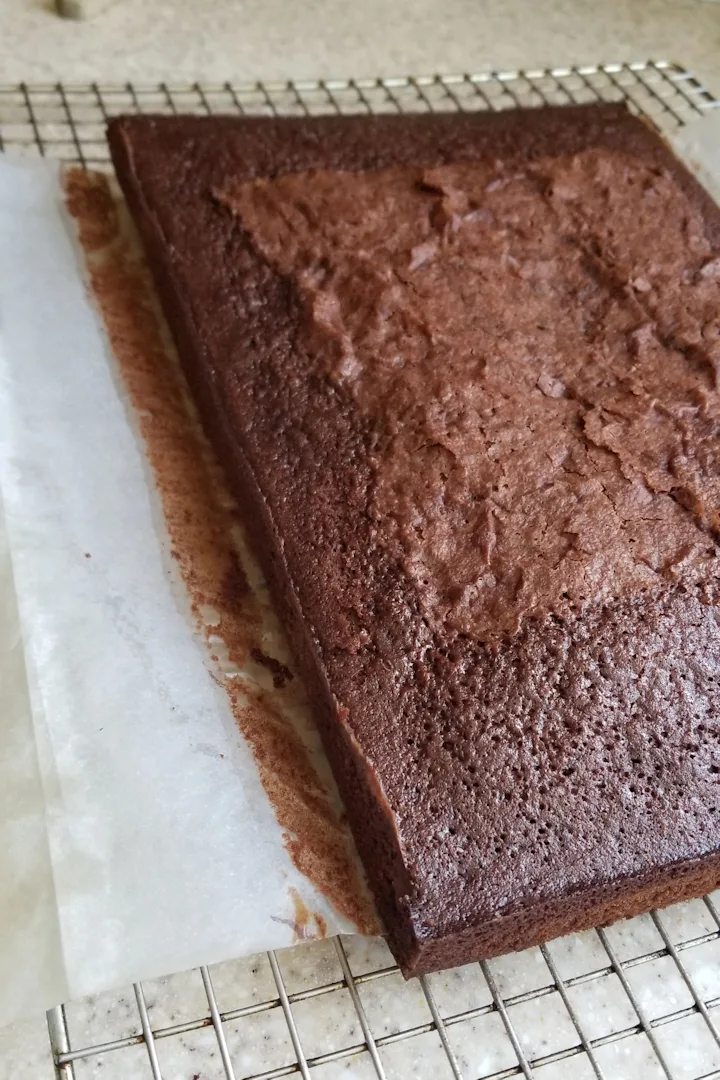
639 999
67 121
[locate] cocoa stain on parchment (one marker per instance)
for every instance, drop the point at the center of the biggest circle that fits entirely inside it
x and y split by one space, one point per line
226 594
306 925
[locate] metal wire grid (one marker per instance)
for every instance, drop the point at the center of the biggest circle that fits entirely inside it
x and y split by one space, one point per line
665 1053
67 122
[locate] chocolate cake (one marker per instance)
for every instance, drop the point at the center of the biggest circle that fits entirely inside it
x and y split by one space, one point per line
463 371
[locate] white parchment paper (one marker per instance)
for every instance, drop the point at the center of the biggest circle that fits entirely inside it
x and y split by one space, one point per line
135 837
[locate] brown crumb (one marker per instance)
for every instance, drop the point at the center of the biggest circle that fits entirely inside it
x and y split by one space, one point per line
281 675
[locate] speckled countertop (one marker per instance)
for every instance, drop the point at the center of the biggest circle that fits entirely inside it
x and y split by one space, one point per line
280 39
244 40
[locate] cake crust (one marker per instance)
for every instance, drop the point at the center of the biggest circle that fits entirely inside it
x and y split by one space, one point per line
488 515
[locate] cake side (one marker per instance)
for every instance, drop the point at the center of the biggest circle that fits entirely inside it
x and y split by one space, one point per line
368 813
427 724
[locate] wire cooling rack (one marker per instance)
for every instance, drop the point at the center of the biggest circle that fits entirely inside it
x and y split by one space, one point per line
638 1000
68 121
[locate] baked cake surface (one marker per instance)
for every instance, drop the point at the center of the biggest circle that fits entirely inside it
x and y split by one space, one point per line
464 372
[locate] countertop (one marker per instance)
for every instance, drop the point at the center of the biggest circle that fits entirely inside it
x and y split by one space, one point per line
242 40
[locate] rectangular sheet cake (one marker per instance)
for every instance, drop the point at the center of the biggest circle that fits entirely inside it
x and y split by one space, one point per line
463 372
